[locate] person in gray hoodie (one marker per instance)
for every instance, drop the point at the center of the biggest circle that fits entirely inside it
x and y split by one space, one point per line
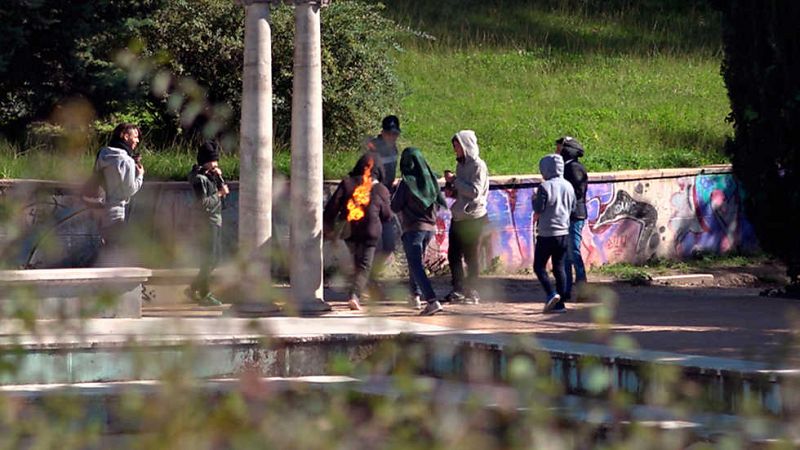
552 207
122 175
470 188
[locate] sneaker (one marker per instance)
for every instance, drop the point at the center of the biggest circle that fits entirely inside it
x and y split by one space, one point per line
210 300
551 303
353 304
192 295
454 297
473 298
431 308
415 302
560 310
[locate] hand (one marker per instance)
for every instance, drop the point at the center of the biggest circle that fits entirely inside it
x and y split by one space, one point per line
216 170
449 176
224 191
139 168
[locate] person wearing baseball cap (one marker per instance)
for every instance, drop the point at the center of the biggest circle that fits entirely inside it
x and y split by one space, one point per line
383 148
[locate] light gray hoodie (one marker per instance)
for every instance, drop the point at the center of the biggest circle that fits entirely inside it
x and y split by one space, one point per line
555 198
121 181
472 180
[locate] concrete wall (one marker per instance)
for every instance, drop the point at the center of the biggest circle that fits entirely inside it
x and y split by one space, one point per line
633 216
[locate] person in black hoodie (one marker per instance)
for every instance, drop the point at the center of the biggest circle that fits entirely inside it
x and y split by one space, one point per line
365 227
571 150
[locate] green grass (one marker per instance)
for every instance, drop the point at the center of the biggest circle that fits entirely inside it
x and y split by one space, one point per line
698 263
637 82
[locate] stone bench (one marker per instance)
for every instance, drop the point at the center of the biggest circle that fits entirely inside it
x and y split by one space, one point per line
72 293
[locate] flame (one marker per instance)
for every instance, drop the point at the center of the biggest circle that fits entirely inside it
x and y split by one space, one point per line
360 199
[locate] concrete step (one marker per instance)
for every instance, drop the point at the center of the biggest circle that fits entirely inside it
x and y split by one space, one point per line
125 350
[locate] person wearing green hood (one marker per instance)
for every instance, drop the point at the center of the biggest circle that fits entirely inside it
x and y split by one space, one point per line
415 201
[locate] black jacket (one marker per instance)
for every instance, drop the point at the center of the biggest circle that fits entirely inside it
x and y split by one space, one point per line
575 173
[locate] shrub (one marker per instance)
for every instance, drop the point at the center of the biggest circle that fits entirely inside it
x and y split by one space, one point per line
203 40
762 72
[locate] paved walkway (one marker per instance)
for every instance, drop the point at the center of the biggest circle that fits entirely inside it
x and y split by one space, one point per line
722 322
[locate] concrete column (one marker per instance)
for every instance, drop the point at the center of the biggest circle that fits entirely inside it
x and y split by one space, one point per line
255 152
306 173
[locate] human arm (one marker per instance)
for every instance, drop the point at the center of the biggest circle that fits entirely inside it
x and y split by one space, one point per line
131 176
399 198
472 188
540 200
333 209
385 212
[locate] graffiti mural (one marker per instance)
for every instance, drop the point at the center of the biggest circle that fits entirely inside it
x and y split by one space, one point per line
707 216
628 221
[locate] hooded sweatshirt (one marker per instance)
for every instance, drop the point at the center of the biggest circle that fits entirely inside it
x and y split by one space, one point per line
575 173
555 198
368 229
418 194
472 180
120 179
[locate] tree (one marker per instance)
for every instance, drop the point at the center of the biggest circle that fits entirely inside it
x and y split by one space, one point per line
761 69
51 50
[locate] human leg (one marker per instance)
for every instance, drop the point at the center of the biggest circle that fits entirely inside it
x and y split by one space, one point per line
541 254
472 238
455 255
414 243
576 232
558 252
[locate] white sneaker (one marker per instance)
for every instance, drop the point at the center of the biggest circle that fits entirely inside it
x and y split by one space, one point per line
415 302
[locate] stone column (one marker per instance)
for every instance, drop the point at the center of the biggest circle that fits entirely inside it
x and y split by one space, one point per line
306 173
255 153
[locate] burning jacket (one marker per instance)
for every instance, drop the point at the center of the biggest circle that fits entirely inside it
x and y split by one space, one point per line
344 204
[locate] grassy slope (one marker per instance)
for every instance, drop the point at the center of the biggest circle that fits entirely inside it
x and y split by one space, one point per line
637 81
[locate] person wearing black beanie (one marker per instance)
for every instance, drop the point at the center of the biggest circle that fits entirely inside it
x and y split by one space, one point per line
209 189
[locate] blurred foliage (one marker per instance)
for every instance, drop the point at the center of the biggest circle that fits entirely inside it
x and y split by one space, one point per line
51 50
762 72
175 66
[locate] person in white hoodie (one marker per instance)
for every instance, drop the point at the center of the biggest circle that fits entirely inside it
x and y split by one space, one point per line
470 188
122 175
552 207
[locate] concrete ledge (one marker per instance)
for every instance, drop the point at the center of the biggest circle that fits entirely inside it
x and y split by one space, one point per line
694 279
72 293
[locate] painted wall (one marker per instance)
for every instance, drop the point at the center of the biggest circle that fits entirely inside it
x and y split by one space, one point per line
633 216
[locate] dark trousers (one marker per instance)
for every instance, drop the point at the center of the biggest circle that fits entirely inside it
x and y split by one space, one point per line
385 246
363 255
211 246
464 238
414 244
554 247
111 252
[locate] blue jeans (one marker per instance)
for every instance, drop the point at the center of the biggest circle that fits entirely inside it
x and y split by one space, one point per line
414 244
573 257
